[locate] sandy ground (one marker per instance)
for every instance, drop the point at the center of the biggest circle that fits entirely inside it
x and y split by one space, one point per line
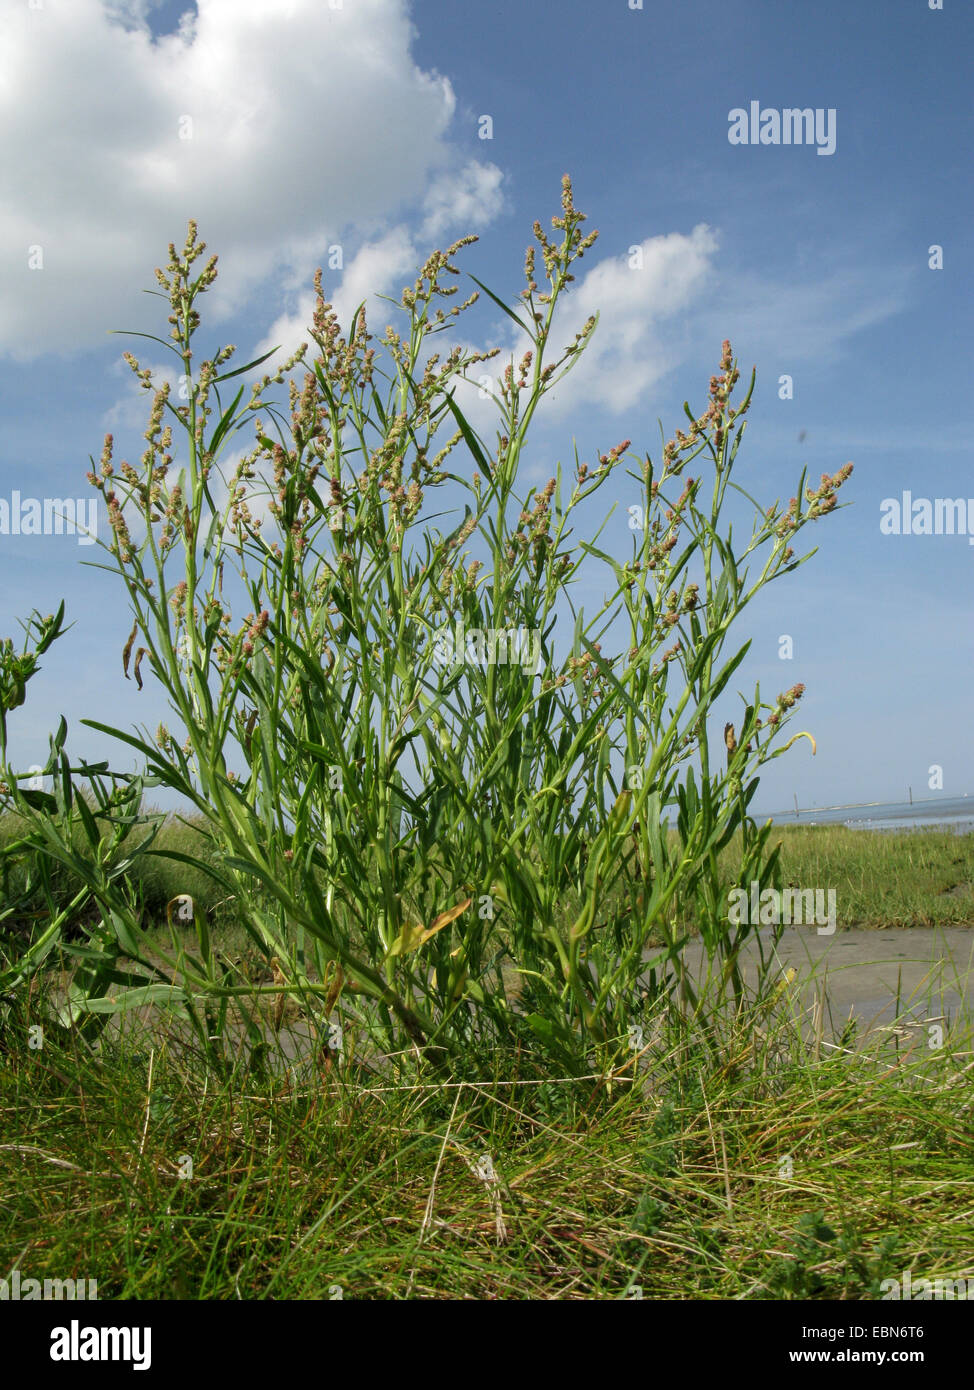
930 971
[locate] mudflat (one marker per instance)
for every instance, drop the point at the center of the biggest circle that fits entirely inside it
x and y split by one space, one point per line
922 973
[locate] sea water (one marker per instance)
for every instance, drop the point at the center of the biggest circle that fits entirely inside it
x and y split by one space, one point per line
948 813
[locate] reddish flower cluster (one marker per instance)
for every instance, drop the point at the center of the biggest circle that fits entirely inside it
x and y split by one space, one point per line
822 500
786 702
256 630
606 460
716 415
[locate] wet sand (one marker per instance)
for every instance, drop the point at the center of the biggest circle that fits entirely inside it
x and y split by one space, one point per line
929 971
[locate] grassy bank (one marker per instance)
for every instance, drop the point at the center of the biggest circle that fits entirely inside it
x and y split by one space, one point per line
919 878
753 1172
748 1168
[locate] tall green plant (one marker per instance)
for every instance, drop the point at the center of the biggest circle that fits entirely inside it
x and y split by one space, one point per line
397 812
81 832
76 850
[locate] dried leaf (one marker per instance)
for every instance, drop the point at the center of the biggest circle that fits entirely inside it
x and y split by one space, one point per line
143 651
412 936
127 650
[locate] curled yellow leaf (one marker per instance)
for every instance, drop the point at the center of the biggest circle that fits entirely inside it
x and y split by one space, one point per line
803 734
413 936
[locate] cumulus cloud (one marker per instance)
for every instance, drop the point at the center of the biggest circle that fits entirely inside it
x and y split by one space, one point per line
281 128
662 300
642 297
384 264
468 198
638 295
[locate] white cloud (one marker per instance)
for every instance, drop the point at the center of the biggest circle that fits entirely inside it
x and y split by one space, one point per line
655 319
806 321
463 200
307 123
640 336
634 344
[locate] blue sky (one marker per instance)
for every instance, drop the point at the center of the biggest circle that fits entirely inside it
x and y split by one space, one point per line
360 125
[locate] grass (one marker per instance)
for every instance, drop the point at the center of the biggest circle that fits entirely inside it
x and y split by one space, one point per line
766 1168
153 881
920 878
350 1187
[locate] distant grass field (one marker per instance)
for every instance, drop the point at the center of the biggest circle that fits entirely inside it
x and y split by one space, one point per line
920 878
